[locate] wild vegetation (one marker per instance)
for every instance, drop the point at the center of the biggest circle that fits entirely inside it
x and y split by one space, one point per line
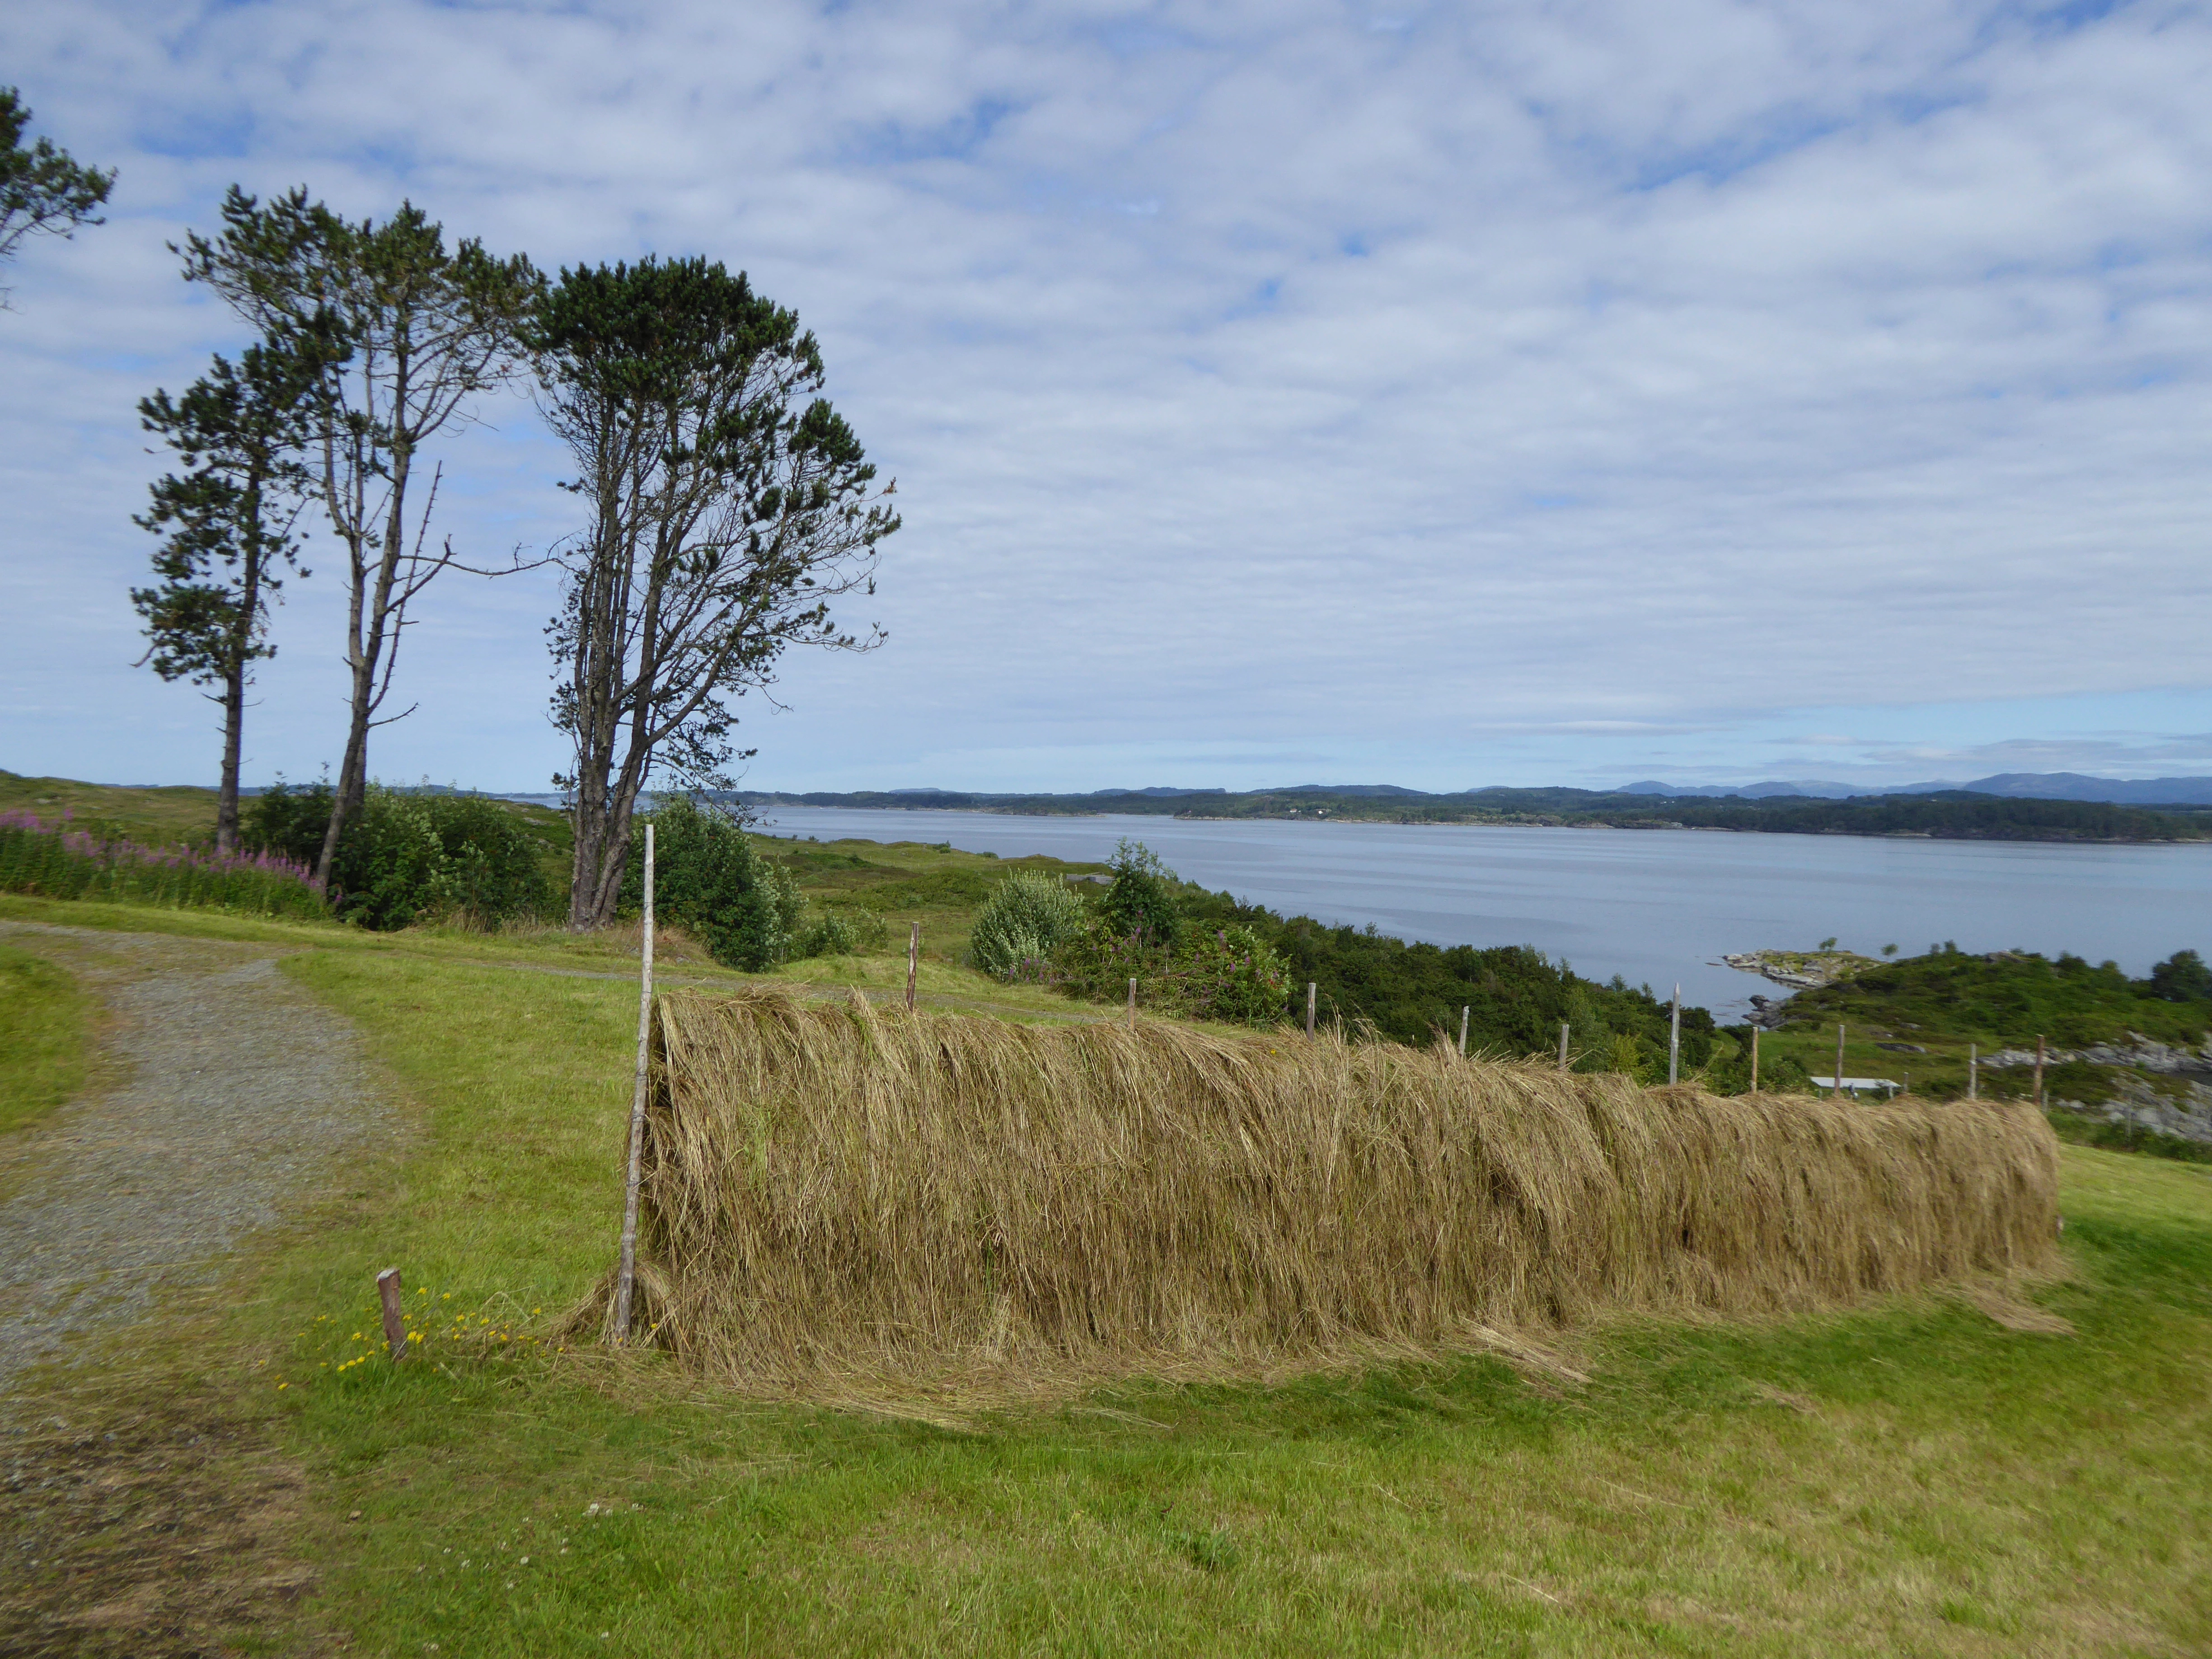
406 858
60 860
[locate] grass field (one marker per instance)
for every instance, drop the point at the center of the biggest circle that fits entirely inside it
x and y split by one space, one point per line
45 1037
1912 1477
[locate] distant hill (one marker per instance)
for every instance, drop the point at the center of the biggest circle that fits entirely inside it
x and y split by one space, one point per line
2013 785
1948 813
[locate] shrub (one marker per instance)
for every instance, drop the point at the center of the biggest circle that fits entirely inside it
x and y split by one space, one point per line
410 857
1142 899
61 862
1232 974
1026 916
708 876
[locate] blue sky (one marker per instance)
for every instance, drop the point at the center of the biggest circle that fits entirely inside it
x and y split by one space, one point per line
1277 393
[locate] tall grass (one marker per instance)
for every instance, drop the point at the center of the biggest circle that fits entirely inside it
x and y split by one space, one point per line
863 1190
59 861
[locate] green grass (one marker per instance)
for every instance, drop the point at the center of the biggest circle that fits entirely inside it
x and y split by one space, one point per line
1911 1477
45 1037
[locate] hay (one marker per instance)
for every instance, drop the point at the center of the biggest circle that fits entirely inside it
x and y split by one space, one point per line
832 1191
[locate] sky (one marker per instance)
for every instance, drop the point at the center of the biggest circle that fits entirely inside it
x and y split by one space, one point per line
1278 394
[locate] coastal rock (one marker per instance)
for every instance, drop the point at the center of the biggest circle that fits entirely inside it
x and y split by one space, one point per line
2139 1106
2144 1052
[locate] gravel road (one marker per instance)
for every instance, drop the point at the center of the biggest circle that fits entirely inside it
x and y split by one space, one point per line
232 1092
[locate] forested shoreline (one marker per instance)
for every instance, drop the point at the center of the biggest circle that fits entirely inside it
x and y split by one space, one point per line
1955 815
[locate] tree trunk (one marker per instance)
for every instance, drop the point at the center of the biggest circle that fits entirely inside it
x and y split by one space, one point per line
368 615
234 680
234 725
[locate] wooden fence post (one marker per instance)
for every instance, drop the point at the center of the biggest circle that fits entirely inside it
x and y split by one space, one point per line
1563 1045
626 1275
1973 1071
1838 1091
1463 1012
1133 1002
395 1329
913 963
1754 1059
1310 1010
1674 1037
2038 1070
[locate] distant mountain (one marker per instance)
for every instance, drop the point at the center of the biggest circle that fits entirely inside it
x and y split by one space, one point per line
2072 786
2016 785
1816 789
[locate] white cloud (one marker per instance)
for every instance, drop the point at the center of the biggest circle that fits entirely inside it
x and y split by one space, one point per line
1504 393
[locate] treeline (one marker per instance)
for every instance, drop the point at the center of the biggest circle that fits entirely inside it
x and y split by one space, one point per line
1950 815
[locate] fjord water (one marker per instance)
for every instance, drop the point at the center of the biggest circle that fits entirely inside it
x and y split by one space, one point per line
1654 906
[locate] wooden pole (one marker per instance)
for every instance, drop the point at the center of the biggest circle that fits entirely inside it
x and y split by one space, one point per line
1133 1002
395 1329
1754 1059
2038 1070
913 963
1464 1013
1838 1091
626 1276
1563 1045
1973 1071
1310 1010
1674 1037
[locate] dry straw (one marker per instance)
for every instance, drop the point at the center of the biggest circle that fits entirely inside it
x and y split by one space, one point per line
833 1191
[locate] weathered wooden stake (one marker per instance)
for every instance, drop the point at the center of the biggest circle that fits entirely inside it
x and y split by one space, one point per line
1310 1010
1674 1037
626 1276
395 1329
1464 1010
1973 1071
913 963
1839 1090
2038 1070
1754 1059
1563 1045
1133 1002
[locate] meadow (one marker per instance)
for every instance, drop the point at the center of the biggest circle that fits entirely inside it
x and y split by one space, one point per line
2023 1469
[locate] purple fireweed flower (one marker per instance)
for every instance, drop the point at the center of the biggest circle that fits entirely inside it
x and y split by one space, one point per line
119 851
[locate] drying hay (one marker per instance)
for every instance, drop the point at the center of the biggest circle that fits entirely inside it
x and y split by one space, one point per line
834 1190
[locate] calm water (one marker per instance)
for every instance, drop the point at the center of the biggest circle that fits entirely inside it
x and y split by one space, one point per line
1653 906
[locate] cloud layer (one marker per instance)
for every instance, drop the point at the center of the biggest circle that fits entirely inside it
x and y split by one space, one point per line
1451 395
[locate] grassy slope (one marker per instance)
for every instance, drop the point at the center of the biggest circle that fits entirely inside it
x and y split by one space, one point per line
158 816
45 1037
1909 1478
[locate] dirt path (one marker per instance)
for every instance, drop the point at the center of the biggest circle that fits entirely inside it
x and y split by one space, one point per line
236 1093
146 1507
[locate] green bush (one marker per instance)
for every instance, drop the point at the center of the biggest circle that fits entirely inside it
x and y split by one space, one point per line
1141 902
1232 974
1025 918
710 876
410 857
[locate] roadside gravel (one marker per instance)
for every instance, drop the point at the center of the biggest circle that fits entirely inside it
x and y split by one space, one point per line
234 1094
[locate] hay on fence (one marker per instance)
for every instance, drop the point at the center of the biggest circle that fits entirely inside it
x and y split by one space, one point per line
842 1190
